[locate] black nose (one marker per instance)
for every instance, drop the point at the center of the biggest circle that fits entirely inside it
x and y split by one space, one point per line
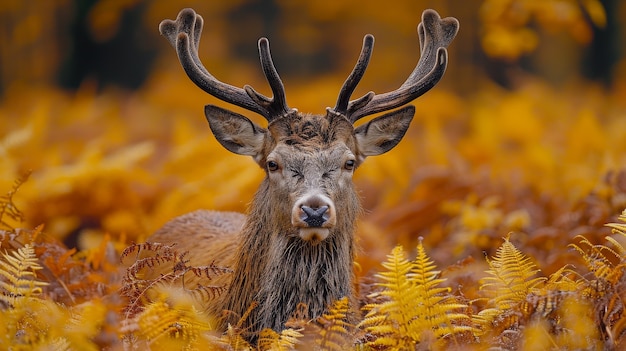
314 216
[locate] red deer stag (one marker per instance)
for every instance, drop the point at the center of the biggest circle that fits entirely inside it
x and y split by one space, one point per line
296 245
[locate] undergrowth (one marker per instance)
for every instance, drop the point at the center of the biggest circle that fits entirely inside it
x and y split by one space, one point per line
62 299
514 188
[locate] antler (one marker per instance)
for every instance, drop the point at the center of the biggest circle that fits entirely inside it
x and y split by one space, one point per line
187 28
355 77
435 34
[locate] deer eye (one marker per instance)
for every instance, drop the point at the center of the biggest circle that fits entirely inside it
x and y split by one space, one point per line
349 165
272 166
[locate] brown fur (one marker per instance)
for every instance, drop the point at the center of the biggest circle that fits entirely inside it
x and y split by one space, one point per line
204 234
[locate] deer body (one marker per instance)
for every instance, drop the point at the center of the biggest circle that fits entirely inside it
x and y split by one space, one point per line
296 245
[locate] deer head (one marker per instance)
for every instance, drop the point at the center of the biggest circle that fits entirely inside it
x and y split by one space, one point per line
309 159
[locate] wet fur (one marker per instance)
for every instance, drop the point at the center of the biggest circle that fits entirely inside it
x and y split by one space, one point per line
278 270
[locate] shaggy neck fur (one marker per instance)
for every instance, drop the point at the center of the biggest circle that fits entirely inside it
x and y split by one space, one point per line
278 270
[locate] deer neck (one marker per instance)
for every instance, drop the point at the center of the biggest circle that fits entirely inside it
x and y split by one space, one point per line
278 270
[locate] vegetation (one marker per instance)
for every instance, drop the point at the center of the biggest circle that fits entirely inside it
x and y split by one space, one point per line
497 223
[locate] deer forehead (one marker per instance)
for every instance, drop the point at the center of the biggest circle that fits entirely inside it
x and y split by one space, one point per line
311 160
310 132
311 145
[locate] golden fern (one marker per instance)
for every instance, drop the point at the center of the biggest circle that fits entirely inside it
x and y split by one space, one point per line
440 315
19 277
331 331
606 287
269 340
172 321
414 308
335 332
512 279
606 264
19 291
544 301
31 321
619 228
389 320
8 207
561 280
233 339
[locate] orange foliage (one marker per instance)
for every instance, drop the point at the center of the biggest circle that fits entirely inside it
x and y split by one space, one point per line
544 161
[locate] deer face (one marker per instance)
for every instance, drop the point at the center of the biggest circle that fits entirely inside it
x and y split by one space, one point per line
311 166
309 161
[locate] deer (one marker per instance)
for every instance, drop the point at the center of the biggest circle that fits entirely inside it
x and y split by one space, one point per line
296 245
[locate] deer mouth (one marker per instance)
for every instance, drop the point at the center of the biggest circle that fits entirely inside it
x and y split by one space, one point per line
313 234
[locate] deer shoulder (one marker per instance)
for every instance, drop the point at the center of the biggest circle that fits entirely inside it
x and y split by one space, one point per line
206 235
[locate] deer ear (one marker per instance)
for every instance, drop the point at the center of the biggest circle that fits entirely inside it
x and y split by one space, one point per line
383 133
235 132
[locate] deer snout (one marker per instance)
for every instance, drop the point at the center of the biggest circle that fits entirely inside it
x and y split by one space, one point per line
314 215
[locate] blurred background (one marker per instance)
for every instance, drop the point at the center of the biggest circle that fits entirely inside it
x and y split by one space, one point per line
524 134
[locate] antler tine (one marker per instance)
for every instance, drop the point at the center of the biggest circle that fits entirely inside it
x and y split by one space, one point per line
278 104
435 34
355 76
184 35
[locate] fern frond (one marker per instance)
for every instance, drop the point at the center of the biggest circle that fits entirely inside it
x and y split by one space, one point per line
511 280
417 309
606 270
173 320
605 289
619 228
620 250
60 344
560 280
162 249
137 292
543 301
206 293
140 281
209 271
8 207
423 271
401 307
438 311
269 340
18 271
335 331
234 340
33 322
486 316
511 277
